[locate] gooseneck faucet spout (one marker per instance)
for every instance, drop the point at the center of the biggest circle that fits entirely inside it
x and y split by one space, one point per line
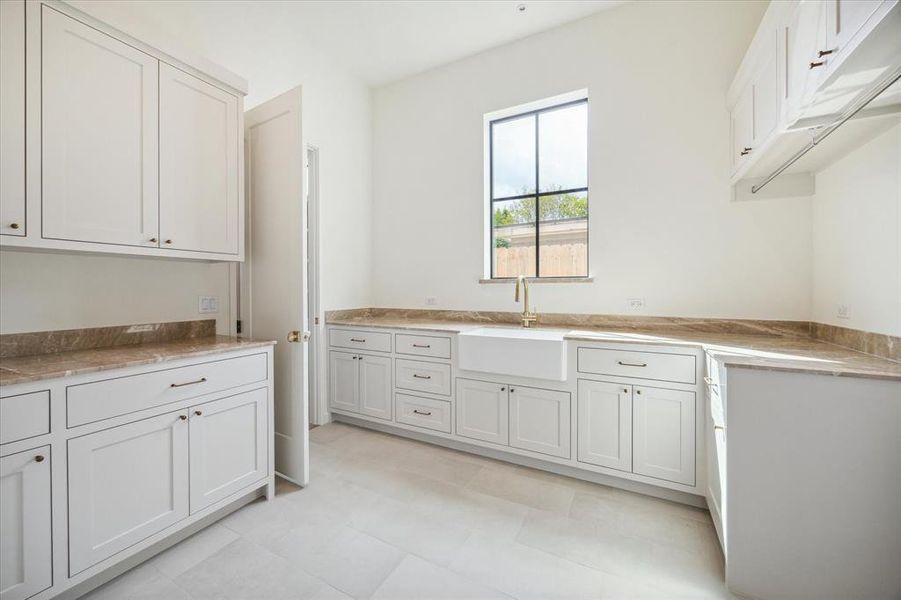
528 317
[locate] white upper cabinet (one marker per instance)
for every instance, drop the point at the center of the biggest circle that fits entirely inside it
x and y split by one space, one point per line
113 145
12 117
198 164
99 136
844 18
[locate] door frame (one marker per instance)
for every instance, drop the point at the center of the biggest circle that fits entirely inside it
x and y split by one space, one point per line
318 360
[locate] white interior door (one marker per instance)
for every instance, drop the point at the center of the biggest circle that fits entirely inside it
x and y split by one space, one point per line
276 267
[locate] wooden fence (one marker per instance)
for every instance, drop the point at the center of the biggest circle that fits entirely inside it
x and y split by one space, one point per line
557 260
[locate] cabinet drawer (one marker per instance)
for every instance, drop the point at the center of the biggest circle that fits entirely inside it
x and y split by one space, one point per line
423 376
423 412
89 402
24 416
645 365
360 340
423 345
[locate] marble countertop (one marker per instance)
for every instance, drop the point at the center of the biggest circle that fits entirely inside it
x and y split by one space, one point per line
24 369
769 352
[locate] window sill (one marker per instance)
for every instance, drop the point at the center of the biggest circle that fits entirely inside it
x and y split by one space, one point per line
543 280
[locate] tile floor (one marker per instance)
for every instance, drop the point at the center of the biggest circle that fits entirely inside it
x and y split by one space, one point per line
389 518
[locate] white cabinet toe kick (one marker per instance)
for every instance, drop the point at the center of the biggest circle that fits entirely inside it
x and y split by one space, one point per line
102 470
625 415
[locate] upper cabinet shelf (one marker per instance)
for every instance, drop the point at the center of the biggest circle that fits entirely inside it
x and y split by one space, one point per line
810 62
126 153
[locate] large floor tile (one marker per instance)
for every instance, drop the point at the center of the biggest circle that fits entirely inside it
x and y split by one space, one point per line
194 550
144 582
245 571
518 486
417 579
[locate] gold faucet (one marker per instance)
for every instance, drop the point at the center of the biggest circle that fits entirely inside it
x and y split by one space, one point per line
528 317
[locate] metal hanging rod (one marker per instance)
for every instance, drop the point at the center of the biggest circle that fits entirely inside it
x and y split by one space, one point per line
852 110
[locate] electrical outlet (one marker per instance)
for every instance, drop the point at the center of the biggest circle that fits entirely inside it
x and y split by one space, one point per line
207 304
844 311
635 303
431 300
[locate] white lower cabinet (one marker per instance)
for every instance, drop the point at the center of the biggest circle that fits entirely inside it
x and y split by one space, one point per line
483 411
228 446
539 420
604 416
360 384
25 546
663 434
126 483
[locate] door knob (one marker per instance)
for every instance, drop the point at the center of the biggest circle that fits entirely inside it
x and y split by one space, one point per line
294 336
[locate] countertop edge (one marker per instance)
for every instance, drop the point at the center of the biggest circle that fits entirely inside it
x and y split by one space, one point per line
151 360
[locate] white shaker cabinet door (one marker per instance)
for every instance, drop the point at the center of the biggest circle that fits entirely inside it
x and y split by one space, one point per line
375 386
25 536
98 137
228 446
12 117
539 420
844 18
126 484
483 411
663 423
198 164
604 416
344 381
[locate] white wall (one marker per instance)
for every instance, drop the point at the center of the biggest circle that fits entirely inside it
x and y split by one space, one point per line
41 292
662 224
101 291
857 238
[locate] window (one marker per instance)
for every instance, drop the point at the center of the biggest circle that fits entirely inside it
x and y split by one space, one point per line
538 192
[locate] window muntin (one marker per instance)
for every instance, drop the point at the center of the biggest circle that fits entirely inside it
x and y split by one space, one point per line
539 192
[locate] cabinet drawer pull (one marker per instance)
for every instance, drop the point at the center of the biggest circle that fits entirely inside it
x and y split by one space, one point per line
823 53
422 345
422 412
817 63
745 151
359 341
178 385
710 381
422 376
628 364
39 458
720 427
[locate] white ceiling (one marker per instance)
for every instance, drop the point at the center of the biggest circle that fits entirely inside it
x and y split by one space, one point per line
378 41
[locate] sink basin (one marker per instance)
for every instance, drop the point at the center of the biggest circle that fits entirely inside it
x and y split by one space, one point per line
535 353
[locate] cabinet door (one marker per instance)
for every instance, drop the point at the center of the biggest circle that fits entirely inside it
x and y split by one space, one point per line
539 420
766 97
805 37
344 381
663 434
844 18
99 136
198 164
12 118
375 386
604 417
228 446
26 559
742 128
483 411
126 484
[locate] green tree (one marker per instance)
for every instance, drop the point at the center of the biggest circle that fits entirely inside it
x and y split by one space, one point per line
561 206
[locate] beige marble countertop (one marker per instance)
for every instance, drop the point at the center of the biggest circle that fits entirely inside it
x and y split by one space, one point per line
769 352
24 369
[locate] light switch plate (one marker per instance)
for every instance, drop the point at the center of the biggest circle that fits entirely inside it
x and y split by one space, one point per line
635 303
207 304
844 311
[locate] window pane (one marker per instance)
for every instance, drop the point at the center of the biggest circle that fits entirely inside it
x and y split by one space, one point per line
513 238
563 235
563 148
513 157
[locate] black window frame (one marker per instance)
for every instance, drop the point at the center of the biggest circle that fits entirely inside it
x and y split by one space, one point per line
538 193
